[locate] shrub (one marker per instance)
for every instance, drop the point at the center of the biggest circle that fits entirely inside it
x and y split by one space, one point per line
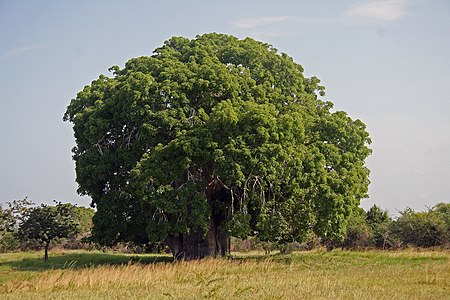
422 229
359 233
379 222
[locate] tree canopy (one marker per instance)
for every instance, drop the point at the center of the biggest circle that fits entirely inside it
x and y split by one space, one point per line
211 137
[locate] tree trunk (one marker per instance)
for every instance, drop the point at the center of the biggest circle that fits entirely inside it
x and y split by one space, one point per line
216 241
47 244
194 245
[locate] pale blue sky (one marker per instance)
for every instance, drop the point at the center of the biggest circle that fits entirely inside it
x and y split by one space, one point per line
385 62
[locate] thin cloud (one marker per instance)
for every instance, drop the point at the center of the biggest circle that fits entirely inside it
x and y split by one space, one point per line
388 10
292 26
278 26
21 50
275 34
253 23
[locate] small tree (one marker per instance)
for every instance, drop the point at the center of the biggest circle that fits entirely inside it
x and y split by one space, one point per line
358 232
442 211
9 223
44 223
379 221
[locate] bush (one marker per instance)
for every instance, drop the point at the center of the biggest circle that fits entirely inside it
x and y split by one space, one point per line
422 229
379 222
9 241
359 233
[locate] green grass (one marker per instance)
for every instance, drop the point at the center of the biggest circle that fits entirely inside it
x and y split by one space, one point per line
303 275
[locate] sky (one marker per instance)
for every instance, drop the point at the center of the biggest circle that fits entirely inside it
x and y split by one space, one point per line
386 62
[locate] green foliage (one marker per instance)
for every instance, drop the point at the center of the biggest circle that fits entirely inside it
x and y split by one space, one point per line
423 229
9 223
239 225
358 233
18 212
9 241
411 229
379 221
151 138
44 223
376 216
10 216
82 217
442 211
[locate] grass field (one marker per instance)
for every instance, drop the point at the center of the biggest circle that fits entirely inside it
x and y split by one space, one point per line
303 275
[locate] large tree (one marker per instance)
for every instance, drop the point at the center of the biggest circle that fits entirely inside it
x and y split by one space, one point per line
215 137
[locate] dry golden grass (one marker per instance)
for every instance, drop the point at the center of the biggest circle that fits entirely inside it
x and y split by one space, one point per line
309 275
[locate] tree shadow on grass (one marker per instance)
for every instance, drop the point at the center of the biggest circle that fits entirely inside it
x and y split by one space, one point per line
82 260
263 257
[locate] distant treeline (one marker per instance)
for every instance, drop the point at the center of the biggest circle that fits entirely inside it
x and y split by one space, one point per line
24 226
375 229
